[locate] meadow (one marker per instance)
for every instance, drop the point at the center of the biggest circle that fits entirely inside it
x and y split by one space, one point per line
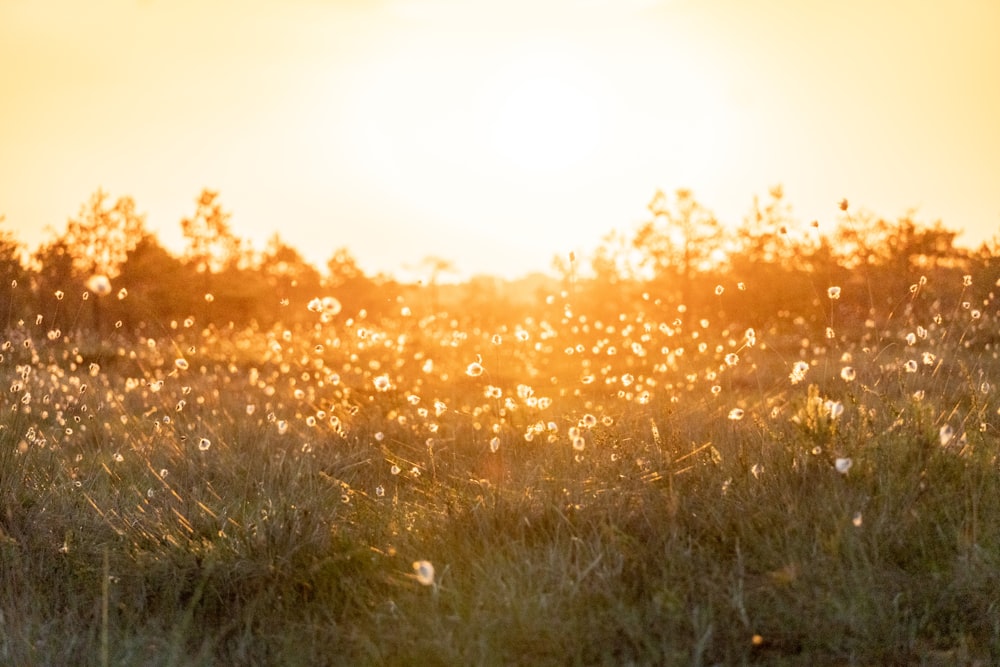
596 480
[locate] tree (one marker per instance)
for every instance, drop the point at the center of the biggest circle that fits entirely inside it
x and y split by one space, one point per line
682 239
350 285
211 245
154 281
99 241
436 266
287 272
101 237
11 273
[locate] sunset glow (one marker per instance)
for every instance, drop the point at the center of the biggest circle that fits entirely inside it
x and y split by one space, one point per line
498 135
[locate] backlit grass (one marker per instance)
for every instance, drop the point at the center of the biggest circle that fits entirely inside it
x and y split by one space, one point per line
653 488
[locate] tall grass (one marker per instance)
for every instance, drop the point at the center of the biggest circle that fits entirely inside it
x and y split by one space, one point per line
656 489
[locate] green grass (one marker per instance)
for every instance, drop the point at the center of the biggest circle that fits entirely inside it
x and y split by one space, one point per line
170 524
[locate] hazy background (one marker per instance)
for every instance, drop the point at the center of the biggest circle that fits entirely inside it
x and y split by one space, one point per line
494 134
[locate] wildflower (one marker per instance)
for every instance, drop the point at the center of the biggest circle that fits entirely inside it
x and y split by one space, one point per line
946 434
834 408
588 421
847 374
204 444
799 370
579 444
736 414
475 369
967 280
494 444
833 292
911 366
181 364
424 572
843 465
732 359
757 469
382 383
857 520
99 284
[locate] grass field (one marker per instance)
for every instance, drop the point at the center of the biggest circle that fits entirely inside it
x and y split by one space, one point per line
656 488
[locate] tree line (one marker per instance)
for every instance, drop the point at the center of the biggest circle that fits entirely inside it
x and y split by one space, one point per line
107 257
107 270
773 268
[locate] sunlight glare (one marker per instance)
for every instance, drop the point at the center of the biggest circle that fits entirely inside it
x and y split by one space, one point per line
545 114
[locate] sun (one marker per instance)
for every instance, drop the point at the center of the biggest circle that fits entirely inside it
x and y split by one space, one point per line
543 113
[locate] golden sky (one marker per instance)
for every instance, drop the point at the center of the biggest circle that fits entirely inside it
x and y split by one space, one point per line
494 134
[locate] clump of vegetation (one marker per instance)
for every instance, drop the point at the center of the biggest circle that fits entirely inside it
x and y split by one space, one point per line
733 458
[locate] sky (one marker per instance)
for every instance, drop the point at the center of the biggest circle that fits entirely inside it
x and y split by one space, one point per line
495 135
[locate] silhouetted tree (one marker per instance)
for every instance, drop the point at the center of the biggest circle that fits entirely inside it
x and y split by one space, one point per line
156 287
288 274
348 283
12 275
54 274
682 239
211 244
99 241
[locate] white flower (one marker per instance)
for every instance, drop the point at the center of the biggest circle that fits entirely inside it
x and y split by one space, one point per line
424 572
843 465
99 284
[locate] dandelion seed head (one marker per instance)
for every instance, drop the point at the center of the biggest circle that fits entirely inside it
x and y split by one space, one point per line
833 292
799 370
424 572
